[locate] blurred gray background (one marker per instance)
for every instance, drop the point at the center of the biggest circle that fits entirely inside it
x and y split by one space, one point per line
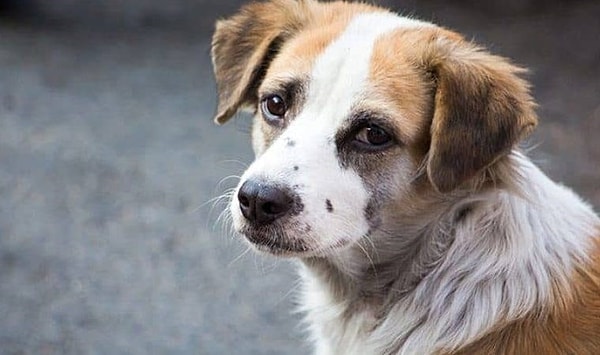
108 157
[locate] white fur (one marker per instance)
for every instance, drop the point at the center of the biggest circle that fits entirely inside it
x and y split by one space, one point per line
330 331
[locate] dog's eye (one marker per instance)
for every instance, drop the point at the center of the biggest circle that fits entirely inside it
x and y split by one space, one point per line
374 136
273 108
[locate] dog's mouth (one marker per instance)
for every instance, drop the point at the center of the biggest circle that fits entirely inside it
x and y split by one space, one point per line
277 241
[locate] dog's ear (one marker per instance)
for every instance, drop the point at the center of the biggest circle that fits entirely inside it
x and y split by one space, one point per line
244 45
482 108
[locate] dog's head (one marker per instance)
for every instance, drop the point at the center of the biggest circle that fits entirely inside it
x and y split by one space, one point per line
357 111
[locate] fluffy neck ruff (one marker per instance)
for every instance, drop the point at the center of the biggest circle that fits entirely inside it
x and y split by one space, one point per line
451 272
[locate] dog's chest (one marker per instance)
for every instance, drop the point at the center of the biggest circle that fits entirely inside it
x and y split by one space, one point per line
337 326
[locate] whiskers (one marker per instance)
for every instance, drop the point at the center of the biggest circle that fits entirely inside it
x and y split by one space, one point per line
224 218
295 286
221 202
365 250
245 252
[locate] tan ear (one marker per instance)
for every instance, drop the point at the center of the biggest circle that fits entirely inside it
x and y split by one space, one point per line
244 45
482 109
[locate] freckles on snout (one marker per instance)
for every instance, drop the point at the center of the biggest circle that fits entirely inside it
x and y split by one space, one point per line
290 142
328 205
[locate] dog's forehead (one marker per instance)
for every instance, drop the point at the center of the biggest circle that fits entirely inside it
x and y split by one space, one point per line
339 60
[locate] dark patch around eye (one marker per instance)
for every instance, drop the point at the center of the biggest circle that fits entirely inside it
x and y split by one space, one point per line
347 152
296 168
290 142
291 91
328 205
360 120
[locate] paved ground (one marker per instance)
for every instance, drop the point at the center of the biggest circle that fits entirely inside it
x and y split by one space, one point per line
108 156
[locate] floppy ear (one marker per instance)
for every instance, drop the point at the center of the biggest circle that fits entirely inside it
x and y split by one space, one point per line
244 45
482 109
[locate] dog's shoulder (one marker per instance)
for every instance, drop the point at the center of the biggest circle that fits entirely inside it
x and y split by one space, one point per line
572 326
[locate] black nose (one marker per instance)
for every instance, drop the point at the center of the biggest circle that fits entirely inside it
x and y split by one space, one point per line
262 203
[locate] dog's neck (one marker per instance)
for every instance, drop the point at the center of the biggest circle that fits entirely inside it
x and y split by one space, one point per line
387 265
472 260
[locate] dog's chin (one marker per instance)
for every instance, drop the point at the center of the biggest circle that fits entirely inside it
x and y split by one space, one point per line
282 243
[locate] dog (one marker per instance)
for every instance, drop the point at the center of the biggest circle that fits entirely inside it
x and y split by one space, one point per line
388 164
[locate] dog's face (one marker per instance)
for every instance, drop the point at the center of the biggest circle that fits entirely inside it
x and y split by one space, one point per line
359 112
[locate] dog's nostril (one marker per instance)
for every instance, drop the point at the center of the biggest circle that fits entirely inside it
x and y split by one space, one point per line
270 208
244 201
274 208
272 203
247 196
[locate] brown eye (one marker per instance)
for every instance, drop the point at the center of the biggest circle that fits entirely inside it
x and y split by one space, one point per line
273 108
373 135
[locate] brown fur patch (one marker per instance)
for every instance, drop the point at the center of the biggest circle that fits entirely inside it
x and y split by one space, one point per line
571 326
328 21
245 45
482 109
402 89
452 101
